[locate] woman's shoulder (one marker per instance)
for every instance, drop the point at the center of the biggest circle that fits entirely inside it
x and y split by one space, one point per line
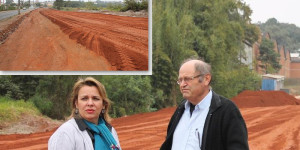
64 136
68 127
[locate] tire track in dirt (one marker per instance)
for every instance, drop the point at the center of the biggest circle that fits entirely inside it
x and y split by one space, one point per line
123 41
278 131
24 142
269 128
40 45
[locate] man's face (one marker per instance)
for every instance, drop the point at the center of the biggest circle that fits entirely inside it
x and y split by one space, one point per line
190 86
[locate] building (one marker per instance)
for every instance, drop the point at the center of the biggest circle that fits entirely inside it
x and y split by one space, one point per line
290 62
272 82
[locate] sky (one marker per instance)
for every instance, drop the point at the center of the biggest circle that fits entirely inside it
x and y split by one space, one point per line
285 11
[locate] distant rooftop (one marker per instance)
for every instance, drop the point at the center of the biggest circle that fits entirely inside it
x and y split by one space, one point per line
273 76
294 54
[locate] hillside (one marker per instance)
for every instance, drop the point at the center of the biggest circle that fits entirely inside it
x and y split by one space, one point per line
285 34
23 118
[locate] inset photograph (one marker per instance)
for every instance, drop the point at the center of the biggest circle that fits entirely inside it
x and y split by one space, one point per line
110 35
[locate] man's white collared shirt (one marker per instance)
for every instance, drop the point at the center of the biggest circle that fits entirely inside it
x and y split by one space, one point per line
189 131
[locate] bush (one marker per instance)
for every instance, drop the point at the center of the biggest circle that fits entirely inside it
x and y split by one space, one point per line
90 6
44 105
2 8
11 8
135 6
115 6
11 110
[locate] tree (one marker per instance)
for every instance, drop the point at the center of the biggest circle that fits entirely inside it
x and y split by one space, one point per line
52 95
129 94
26 4
287 35
90 6
38 4
58 4
9 89
213 30
268 57
27 84
135 5
9 2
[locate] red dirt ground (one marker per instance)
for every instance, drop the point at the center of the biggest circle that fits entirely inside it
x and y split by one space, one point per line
269 128
248 99
76 41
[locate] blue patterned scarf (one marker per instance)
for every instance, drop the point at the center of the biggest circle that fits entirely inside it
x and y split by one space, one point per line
103 138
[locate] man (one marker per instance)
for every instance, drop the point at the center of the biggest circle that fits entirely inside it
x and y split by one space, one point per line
204 120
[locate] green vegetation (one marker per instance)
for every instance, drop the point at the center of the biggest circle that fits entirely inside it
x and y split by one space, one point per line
38 4
69 9
287 35
268 57
130 94
8 7
26 4
102 5
50 94
135 6
58 4
12 110
213 30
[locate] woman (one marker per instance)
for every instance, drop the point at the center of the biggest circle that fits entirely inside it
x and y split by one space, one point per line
89 126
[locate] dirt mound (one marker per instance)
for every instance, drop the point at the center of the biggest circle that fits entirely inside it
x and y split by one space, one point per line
4 33
33 132
29 124
264 99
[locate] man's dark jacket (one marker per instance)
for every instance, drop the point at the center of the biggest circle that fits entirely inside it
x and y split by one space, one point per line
224 127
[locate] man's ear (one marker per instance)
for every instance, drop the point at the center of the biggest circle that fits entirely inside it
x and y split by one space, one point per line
207 79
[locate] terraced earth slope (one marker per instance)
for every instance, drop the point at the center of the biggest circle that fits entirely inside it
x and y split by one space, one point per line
76 41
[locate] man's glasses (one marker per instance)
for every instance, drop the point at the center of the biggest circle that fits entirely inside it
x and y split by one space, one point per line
188 79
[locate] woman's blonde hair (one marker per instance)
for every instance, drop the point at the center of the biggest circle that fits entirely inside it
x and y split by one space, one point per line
90 81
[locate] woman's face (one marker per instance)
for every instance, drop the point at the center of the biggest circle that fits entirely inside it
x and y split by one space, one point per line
89 103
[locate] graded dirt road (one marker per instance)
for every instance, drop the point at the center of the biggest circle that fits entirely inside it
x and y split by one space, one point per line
72 41
269 128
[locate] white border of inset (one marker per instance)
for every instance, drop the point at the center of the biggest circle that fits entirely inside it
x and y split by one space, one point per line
149 72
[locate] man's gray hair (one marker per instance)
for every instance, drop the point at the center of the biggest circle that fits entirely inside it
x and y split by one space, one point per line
200 66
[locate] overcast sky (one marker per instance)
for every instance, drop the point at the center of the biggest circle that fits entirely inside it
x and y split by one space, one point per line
285 11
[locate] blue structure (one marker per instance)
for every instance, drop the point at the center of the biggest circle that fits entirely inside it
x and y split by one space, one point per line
268 84
272 82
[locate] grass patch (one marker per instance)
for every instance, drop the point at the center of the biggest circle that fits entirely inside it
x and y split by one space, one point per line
69 9
12 110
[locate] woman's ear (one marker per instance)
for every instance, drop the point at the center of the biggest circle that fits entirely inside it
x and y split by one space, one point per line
76 104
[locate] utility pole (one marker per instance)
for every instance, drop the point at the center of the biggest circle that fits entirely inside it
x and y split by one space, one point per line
18 7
